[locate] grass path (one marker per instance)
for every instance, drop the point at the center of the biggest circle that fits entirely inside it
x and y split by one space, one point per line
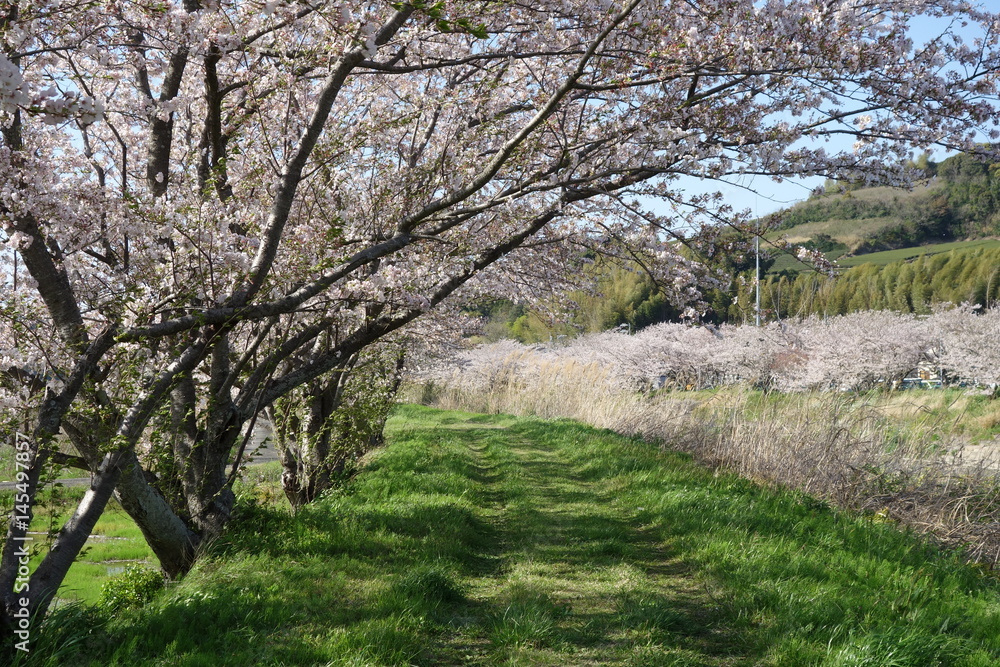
493 540
580 580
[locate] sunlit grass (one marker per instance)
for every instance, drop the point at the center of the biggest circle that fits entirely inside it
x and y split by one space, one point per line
114 543
8 466
890 256
482 540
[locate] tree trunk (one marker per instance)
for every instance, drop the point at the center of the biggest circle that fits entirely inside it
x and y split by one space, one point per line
168 535
305 447
345 418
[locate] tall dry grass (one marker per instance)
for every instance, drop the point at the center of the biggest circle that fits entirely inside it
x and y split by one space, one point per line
550 389
899 458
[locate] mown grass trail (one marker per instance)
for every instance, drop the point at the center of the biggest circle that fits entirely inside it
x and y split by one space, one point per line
579 579
491 540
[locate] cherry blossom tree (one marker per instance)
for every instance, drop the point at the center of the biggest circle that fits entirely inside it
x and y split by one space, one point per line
323 427
854 352
968 344
755 356
858 351
210 205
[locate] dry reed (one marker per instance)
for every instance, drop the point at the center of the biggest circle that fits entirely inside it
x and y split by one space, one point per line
856 452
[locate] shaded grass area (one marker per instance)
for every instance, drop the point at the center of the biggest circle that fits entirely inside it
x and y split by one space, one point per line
492 540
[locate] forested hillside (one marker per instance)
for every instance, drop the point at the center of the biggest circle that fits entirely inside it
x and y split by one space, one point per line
623 297
900 250
958 200
969 273
895 250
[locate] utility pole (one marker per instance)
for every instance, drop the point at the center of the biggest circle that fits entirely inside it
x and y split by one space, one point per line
756 240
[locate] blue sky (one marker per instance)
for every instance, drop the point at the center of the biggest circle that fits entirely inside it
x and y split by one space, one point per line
762 195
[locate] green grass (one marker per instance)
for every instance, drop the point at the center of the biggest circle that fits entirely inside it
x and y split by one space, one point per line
493 540
8 467
786 262
115 542
890 256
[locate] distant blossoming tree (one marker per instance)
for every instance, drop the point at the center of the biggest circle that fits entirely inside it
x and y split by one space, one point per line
969 344
852 352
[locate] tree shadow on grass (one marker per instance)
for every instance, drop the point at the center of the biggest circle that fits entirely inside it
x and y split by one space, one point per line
352 579
472 546
625 597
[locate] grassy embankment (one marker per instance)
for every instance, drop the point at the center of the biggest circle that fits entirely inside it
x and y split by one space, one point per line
927 459
950 416
497 540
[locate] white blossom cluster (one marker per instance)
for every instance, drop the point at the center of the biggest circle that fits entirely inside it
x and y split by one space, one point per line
49 103
12 93
858 351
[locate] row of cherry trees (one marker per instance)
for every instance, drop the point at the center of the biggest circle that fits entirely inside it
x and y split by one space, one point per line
213 209
851 352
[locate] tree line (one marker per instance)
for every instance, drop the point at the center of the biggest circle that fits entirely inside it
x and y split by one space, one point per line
854 352
913 286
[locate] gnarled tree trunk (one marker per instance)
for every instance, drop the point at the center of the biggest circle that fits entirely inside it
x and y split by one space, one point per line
331 423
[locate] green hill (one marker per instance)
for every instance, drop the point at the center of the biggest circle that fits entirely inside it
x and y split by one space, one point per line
968 272
851 217
955 209
958 201
903 254
890 247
